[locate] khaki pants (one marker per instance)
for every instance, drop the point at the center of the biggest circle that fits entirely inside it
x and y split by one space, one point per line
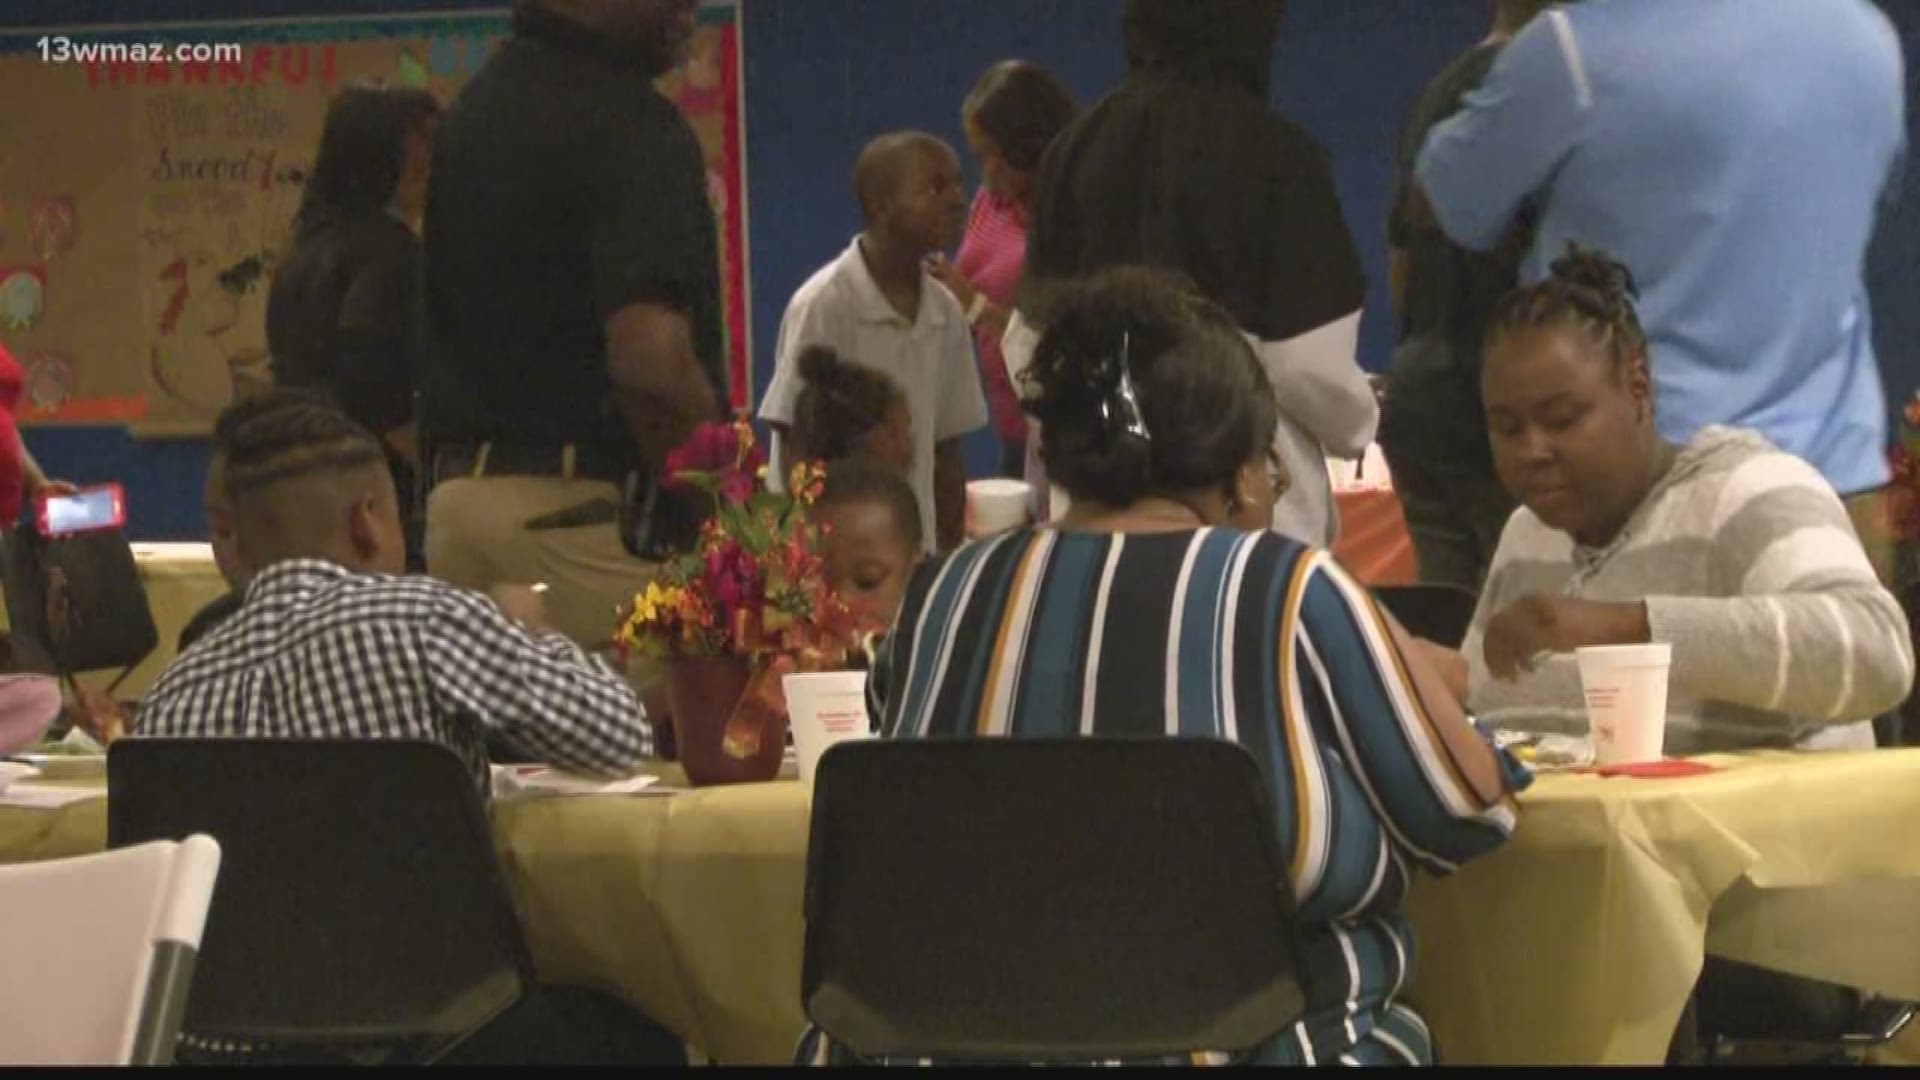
476 538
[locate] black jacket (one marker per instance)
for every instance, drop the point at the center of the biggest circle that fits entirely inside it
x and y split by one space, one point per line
341 316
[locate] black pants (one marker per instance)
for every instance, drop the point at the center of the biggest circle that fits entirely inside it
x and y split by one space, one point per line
1455 514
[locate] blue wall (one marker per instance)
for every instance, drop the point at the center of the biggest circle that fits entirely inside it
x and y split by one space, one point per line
823 76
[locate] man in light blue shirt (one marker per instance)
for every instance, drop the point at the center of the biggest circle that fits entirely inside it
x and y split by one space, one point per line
1731 153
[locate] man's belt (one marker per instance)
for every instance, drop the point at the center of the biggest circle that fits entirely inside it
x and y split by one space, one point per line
454 461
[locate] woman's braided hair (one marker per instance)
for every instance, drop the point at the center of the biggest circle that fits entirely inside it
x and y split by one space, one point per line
1585 289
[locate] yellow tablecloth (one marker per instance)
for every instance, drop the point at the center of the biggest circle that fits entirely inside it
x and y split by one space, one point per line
1578 943
180 580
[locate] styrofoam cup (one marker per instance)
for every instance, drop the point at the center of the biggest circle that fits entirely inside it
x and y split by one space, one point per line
824 708
1626 691
994 506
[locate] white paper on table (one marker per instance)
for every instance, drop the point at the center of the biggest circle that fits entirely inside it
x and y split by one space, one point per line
173 550
42 797
540 781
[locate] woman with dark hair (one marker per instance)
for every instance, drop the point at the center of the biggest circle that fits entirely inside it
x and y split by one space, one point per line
340 316
1011 116
1184 167
1161 605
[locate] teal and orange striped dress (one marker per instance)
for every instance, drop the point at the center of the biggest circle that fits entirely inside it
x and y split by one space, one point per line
1244 636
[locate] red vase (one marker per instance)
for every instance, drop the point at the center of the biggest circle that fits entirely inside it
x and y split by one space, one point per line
704 694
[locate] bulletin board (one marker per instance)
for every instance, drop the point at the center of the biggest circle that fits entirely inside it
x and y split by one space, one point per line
144 205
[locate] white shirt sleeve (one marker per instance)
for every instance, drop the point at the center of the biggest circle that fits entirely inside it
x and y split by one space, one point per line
805 324
1321 388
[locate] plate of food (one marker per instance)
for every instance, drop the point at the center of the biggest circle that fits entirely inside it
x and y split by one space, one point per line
75 757
1544 752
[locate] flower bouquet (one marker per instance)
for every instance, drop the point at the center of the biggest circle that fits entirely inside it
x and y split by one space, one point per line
1903 495
747 605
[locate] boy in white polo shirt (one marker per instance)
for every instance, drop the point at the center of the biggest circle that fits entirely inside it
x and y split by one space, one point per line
877 306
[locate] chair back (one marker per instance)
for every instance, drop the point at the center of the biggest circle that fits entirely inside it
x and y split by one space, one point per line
362 903
97 953
1046 900
1439 613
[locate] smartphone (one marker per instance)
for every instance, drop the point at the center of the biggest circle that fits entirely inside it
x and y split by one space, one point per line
92 509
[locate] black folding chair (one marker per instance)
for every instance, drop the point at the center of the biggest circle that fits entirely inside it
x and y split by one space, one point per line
1046 900
1745 1015
1439 613
361 907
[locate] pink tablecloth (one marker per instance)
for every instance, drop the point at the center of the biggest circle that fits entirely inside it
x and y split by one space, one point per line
1373 543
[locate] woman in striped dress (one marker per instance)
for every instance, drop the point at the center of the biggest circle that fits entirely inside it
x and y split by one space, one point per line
1161 606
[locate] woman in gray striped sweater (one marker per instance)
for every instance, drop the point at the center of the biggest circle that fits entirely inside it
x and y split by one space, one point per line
1738 554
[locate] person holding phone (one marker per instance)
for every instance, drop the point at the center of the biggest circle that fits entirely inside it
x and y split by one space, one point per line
21 478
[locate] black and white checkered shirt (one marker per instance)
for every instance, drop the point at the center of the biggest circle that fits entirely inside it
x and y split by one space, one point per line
318 651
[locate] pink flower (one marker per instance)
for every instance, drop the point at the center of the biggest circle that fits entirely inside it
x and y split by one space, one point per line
733 580
737 486
712 447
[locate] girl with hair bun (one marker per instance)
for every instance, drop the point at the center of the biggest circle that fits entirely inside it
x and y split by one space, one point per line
846 410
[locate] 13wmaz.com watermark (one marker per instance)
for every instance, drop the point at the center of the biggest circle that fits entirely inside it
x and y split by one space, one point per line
65 50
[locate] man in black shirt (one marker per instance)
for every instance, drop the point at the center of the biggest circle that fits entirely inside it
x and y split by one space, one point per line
573 306
1433 426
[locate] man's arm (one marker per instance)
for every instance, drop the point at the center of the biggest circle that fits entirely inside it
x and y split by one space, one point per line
949 494
1478 168
659 387
643 184
539 692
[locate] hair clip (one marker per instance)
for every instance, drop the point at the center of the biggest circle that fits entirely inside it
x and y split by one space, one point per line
1120 407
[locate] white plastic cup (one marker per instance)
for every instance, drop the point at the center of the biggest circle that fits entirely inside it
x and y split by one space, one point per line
994 506
824 708
1626 691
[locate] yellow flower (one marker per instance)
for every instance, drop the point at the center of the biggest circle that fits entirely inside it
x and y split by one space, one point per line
651 604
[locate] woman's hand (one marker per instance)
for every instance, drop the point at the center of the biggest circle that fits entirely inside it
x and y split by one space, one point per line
37 485
956 282
524 604
99 716
1540 625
